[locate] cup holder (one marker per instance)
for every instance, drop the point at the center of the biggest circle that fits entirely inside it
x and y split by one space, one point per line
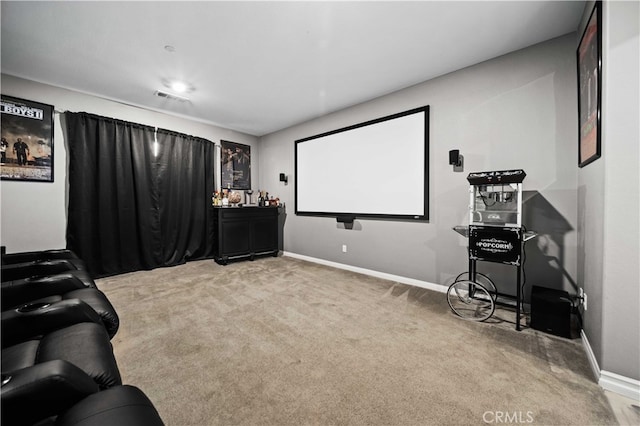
30 307
5 379
36 277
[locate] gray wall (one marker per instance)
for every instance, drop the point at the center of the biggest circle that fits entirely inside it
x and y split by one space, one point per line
591 192
33 214
621 148
609 224
515 111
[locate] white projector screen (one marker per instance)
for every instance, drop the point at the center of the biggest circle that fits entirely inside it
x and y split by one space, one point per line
375 169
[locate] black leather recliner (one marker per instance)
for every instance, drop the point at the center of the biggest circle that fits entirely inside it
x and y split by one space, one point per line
58 393
42 267
68 330
55 288
39 268
38 256
58 366
73 278
25 279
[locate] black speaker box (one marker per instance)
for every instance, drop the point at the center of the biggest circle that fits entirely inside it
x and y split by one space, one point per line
454 156
552 311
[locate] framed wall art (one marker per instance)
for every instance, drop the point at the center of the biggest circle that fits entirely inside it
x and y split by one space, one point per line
27 140
235 165
589 59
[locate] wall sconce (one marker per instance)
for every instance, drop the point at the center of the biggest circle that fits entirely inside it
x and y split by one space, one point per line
284 178
456 160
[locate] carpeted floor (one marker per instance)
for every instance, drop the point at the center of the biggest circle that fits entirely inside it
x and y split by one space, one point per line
280 341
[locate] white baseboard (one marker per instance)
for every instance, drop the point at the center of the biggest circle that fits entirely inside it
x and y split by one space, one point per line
593 362
404 280
620 384
607 380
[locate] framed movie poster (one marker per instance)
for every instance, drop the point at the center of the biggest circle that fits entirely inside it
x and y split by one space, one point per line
589 56
235 165
27 140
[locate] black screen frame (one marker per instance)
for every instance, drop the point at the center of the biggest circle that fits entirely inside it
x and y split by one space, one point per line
400 217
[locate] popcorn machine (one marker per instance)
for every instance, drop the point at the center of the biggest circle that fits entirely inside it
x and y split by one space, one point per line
495 234
495 198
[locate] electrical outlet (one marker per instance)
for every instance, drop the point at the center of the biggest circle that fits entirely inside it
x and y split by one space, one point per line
344 248
584 301
583 298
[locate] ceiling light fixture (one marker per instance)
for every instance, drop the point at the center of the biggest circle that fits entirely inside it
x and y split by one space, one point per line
179 86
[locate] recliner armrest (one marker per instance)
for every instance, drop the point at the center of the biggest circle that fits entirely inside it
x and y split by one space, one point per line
33 256
22 291
119 405
43 390
19 271
35 319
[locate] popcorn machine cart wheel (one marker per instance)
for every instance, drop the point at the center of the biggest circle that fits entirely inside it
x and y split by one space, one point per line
472 297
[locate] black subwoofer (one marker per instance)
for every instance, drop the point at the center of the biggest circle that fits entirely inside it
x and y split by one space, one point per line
552 311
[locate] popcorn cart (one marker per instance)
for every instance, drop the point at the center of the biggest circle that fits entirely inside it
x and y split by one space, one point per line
495 234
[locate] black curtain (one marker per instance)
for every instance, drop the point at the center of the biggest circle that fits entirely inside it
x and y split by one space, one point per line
136 203
185 186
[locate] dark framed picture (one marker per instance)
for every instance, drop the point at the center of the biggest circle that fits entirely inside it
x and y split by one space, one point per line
589 56
27 140
235 165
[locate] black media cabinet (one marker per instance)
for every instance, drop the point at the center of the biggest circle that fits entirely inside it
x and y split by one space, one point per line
244 232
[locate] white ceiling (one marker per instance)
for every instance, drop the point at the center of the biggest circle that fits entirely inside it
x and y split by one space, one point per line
257 67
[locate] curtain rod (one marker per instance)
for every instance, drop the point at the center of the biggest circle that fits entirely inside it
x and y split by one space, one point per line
62 111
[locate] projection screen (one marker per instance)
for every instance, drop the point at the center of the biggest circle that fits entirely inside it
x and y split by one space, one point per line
376 169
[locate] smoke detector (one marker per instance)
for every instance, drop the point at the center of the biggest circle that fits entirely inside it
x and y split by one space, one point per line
170 96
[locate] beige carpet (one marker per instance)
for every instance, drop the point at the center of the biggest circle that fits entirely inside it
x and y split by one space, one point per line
280 341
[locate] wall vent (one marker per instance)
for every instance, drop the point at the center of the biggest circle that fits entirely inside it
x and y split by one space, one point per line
170 96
